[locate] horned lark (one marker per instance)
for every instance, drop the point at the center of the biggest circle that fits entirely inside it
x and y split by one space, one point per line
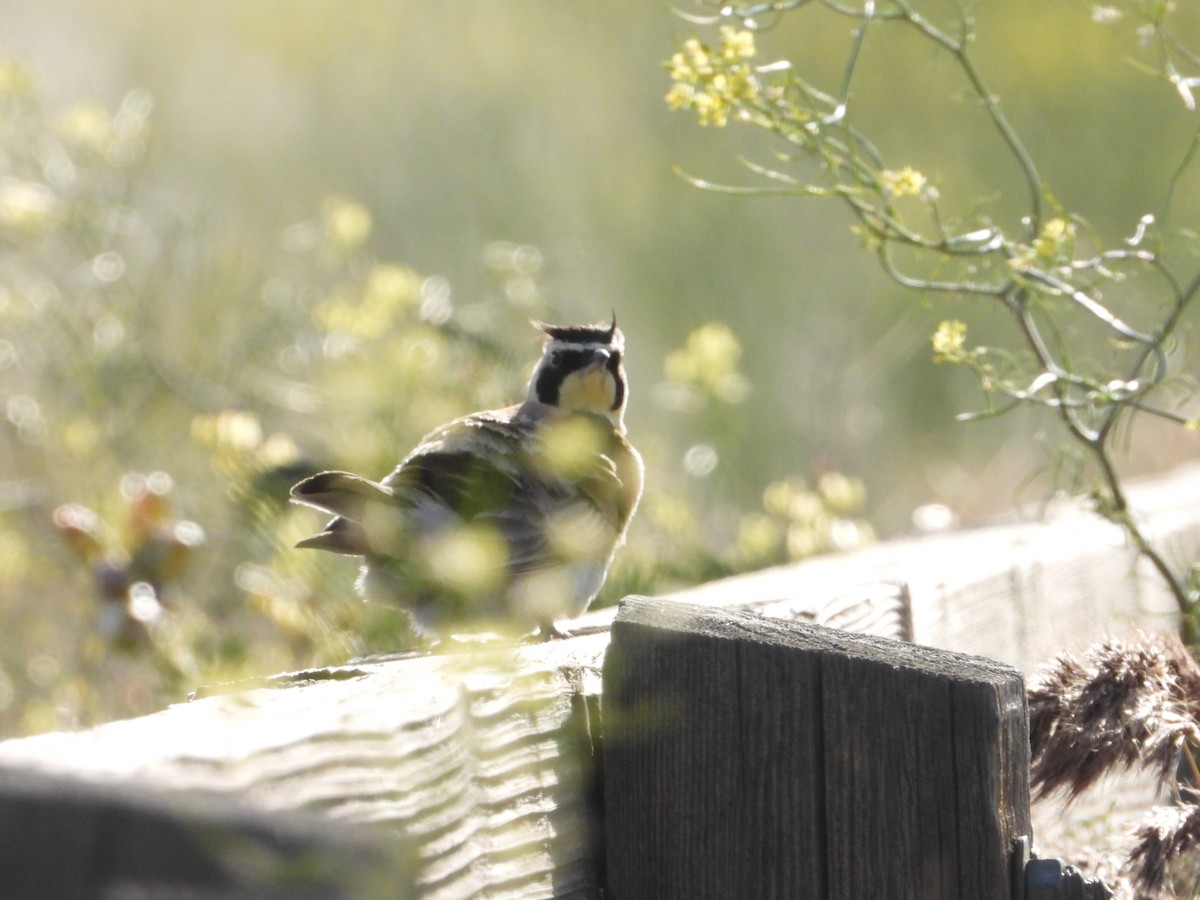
507 518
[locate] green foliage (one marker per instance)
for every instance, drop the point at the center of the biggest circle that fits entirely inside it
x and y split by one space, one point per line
1094 319
163 384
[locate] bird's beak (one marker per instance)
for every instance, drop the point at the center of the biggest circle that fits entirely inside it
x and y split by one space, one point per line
600 358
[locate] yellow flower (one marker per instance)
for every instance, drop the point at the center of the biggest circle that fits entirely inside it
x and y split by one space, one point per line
1057 237
89 125
230 430
1054 243
347 223
569 448
949 343
906 182
81 436
27 206
392 287
699 59
14 556
841 493
388 291
278 450
737 44
680 95
711 109
758 538
709 360
713 82
679 68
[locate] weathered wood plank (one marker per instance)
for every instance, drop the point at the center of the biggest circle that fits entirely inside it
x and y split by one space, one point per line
1014 591
751 757
65 839
486 781
673 692
478 758
481 757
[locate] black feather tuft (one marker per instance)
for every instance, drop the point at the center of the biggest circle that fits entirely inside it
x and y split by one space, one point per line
600 333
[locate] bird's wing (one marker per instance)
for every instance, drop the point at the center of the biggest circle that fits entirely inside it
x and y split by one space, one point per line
480 467
460 472
478 470
469 467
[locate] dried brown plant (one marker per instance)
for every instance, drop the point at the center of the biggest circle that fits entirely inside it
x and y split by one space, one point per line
1122 704
1126 704
1165 842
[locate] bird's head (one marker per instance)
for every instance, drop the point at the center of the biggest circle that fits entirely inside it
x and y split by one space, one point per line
582 370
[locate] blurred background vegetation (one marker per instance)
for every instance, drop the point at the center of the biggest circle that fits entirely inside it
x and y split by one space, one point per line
243 242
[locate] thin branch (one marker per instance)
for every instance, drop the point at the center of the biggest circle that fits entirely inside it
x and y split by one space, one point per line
945 287
1092 307
856 46
959 49
1116 505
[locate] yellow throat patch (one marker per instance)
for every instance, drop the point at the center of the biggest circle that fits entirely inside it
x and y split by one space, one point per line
592 390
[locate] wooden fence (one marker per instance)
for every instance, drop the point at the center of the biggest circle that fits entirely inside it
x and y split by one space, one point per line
710 747
745 757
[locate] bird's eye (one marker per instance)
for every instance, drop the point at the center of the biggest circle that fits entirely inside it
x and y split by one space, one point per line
556 359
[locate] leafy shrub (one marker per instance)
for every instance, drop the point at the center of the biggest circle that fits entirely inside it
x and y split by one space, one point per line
164 383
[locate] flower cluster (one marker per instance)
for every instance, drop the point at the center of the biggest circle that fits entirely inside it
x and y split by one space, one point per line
712 81
239 446
368 310
1053 246
799 521
119 138
708 362
136 561
346 223
906 182
949 343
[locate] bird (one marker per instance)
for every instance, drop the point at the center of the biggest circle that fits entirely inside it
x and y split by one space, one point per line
502 520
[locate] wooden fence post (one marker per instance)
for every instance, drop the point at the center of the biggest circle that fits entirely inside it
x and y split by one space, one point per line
755 757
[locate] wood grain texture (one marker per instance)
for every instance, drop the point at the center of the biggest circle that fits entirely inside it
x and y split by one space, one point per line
1017 591
751 757
63 839
479 759
474 754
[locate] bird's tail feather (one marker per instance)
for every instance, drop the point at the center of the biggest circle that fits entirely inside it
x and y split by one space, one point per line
341 493
340 536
